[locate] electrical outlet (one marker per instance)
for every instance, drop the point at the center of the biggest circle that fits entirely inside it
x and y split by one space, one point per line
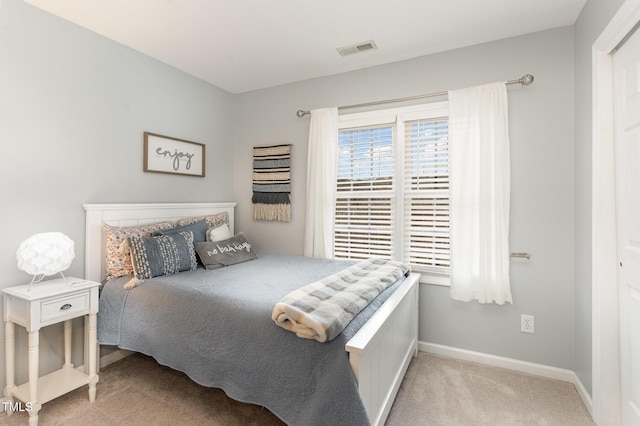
526 324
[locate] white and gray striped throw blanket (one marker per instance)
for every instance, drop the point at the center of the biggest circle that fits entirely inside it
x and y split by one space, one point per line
322 309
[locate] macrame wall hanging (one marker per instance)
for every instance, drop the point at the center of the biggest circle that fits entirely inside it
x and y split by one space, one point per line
272 183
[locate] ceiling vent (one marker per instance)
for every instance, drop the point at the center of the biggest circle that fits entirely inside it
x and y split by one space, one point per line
357 48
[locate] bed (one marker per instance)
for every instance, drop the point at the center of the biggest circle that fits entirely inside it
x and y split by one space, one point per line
302 381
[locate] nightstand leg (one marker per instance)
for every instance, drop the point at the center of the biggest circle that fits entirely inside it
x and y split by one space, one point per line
67 344
34 347
9 346
93 361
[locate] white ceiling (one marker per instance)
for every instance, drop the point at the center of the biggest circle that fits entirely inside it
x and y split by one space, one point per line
243 45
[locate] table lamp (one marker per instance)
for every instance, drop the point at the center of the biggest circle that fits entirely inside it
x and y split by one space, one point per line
44 254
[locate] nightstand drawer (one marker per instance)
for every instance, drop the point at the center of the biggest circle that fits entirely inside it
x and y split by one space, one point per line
67 307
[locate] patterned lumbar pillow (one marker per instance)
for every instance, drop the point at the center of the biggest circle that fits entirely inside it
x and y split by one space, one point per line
212 220
161 255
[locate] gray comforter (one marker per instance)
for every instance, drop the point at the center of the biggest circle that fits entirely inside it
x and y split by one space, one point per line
215 326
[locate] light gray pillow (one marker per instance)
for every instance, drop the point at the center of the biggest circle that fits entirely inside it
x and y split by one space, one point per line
218 233
227 252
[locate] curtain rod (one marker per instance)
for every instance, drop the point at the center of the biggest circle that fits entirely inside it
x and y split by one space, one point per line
525 80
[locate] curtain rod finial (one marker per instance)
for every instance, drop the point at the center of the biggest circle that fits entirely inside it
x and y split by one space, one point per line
301 113
526 79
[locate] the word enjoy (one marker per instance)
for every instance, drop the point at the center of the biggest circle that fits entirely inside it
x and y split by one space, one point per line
16 406
230 248
177 156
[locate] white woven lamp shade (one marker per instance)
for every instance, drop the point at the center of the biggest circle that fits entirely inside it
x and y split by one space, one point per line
45 254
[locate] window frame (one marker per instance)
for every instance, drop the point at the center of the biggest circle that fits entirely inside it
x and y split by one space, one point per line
396 118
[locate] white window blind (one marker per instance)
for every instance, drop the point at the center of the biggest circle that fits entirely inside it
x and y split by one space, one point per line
393 188
426 195
365 193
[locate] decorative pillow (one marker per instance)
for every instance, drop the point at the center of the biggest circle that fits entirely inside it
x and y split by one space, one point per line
199 230
161 255
118 263
219 233
212 220
226 252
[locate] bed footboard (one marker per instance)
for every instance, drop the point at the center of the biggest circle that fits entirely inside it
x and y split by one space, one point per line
381 351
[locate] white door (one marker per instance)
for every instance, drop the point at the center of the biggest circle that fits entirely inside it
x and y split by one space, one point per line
626 69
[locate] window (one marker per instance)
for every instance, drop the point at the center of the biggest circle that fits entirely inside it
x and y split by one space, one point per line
365 193
393 188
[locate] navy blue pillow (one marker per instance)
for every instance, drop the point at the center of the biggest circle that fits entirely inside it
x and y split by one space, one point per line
199 230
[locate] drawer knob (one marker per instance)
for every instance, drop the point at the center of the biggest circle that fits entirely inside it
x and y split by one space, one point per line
65 307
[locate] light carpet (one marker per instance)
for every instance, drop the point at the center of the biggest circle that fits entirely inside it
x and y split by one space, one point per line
435 391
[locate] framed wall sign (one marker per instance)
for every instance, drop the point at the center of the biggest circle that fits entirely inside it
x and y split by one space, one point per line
163 154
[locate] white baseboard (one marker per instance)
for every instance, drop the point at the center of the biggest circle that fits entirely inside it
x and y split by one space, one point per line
113 357
586 398
511 364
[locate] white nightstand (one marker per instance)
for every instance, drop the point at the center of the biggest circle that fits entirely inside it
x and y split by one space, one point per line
50 302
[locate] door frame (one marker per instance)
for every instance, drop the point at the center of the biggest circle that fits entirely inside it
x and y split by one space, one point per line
605 326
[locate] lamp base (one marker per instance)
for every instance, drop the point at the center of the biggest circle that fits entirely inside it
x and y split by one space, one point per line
38 278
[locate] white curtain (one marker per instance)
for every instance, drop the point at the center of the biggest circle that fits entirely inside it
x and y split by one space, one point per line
321 182
480 190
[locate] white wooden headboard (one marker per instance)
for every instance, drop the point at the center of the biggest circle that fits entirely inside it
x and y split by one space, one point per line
135 214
